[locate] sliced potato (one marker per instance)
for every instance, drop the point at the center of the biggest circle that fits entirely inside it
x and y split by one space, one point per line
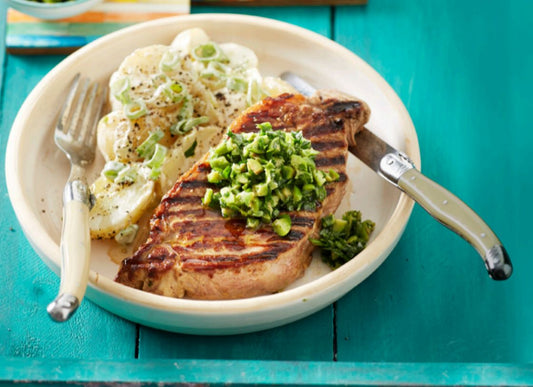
175 87
118 205
189 39
276 86
239 57
108 128
176 163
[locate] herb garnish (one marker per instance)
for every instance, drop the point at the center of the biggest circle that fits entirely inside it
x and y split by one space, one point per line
342 239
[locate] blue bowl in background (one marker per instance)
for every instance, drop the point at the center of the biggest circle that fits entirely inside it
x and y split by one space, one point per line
51 11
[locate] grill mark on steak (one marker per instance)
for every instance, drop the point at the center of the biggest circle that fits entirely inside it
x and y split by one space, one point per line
326 145
233 262
177 200
302 221
191 212
203 167
321 161
323 130
193 251
342 177
194 184
343 107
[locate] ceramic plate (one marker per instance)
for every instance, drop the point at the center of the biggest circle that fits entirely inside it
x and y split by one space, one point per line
33 162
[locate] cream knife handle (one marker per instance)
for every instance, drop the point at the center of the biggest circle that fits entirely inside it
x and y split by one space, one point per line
75 251
456 215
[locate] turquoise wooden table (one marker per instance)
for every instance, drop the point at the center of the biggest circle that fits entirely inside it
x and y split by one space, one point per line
429 315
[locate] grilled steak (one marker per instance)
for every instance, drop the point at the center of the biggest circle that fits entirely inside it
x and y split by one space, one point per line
192 251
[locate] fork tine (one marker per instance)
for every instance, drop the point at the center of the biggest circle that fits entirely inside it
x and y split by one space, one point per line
87 119
94 110
75 124
66 110
95 115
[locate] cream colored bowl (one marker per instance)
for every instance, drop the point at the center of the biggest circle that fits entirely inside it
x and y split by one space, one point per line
36 172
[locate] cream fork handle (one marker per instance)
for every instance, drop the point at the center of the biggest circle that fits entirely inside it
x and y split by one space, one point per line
75 251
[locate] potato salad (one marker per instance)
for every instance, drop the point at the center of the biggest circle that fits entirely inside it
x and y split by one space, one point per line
169 105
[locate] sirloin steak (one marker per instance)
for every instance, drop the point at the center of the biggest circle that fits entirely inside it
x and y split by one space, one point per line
192 251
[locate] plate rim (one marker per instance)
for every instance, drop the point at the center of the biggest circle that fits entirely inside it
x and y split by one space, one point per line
394 226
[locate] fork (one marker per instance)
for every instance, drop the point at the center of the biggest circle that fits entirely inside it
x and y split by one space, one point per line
75 135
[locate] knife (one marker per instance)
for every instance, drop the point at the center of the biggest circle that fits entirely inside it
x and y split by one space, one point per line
396 168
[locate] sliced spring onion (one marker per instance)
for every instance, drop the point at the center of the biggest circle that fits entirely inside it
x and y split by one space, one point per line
154 173
190 151
120 89
237 84
215 75
135 109
127 235
213 83
254 93
127 175
147 148
206 52
156 161
160 151
175 91
160 79
112 169
186 125
215 70
170 61
187 108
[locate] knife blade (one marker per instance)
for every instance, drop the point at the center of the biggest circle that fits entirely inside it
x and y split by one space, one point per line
396 168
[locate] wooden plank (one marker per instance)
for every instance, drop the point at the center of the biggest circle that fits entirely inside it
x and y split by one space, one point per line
277 3
232 373
28 285
3 9
317 19
27 35
305 340
468 92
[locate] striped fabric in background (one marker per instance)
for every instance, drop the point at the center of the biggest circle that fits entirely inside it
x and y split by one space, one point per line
28 35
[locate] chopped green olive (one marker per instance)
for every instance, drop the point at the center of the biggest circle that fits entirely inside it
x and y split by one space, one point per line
254 166
260 175
282 225
208 197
